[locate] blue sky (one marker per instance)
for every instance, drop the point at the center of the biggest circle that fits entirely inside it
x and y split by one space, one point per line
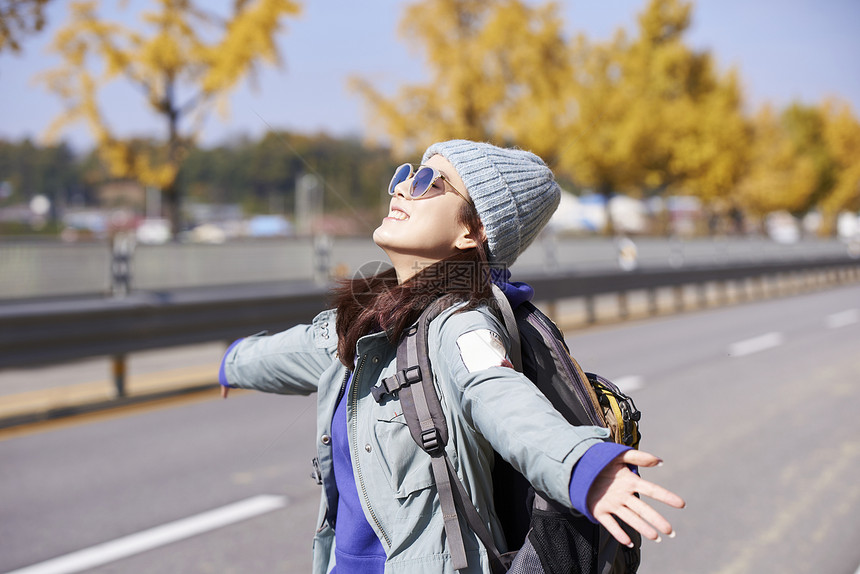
785 50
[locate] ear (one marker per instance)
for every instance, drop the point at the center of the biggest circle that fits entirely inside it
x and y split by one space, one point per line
468 240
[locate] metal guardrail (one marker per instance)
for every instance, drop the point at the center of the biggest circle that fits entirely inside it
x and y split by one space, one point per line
39 269
39 333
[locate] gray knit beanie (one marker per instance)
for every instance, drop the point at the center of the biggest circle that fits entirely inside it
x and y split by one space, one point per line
513 190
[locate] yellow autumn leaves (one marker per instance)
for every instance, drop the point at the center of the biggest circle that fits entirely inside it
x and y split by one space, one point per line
182 60
806 157
642 113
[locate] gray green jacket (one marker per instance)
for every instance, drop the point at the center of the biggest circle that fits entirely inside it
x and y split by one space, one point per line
492 408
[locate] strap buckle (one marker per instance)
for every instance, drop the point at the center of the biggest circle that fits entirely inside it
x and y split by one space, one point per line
396 382
430 441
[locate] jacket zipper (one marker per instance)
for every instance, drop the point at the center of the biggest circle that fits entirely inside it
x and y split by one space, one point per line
354 443
330 510
585 401
342 388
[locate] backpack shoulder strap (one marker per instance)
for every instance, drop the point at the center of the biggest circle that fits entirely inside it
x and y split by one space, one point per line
423 412
429 430
510 320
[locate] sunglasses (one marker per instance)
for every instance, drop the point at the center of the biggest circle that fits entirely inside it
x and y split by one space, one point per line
422 180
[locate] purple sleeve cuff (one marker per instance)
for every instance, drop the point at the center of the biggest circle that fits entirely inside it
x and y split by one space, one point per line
586 470
222 376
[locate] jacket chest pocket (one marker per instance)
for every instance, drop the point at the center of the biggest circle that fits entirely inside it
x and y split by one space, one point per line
407 467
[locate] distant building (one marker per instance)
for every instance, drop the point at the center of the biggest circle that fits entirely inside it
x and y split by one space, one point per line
122 193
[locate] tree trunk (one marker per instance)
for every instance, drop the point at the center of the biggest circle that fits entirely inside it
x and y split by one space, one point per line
172 192
605 191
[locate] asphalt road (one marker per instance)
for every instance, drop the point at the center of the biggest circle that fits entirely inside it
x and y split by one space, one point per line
752 407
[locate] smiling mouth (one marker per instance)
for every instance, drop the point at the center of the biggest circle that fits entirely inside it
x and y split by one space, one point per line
397 215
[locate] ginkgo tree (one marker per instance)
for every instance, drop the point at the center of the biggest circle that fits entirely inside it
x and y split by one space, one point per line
654 115
641 113
483 57
841 134
792 167
183 59
19 18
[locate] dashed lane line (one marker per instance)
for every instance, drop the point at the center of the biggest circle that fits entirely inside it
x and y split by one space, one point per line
842 319
629 383
756 344
155 537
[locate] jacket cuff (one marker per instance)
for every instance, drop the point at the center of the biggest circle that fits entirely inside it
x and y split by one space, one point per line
222 375
595 459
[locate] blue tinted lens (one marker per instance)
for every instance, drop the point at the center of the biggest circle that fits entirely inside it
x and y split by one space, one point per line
401 174
422 181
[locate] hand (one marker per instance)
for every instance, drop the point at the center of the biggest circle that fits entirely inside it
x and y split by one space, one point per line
224 391
612 496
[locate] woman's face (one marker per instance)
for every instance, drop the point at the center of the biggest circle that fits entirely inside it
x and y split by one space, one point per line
422 231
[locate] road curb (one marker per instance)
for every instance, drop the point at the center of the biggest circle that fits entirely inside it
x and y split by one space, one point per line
88 407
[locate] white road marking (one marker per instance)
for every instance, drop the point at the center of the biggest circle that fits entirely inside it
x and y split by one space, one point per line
155 537
756 344
842 319
629 383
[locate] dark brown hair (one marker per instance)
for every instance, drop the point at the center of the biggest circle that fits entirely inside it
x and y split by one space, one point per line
375 303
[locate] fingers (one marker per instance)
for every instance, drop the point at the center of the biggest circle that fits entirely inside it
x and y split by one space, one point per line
614 496
639 516
652 520
224 391
639 458
660 494
655 491
636 522
608 522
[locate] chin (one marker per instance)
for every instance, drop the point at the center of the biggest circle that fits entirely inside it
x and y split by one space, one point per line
376 237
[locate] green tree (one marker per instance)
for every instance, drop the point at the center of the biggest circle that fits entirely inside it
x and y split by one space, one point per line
29 169
188 60
262 174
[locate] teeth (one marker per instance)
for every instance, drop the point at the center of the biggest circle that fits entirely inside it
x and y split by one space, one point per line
397 214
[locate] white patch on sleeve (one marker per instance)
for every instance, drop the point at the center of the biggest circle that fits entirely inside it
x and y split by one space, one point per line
481 349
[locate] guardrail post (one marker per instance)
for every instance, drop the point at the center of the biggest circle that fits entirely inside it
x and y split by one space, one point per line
552 310
122 246
623 310
322 258
652 301
679 297
722 292
118 370
590 314
760 284
703 295
743 289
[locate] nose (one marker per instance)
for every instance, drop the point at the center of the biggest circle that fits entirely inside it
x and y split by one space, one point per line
402 188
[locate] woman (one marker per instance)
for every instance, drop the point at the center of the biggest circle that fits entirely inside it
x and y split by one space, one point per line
470 205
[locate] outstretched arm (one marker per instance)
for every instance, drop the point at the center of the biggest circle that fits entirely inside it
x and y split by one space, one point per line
612 496
289 362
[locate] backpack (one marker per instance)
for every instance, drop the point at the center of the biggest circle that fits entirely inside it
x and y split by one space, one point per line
542 535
